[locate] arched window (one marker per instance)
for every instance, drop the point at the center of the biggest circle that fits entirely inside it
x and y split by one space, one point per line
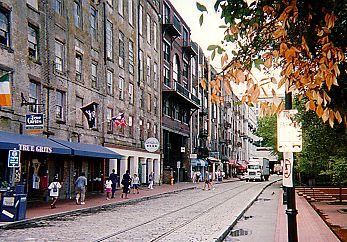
176 68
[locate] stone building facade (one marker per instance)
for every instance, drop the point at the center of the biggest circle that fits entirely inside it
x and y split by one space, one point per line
65 54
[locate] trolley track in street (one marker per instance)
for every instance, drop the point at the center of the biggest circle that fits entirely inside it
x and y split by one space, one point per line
181 225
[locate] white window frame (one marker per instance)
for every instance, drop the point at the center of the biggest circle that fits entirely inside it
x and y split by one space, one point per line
109 39
121 88
148 70
131 57
109 82
121 7
93 21
33 3
61 105
131 12
59 60
77 13
33 41
155 41
148 28
94 76
121 40
140 18
131 93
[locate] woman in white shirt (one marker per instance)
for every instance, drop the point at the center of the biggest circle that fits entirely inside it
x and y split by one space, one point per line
136 184
54 191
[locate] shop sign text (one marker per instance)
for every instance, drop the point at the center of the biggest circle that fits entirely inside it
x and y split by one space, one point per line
36 148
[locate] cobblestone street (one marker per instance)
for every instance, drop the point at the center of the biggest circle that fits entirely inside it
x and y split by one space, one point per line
192 215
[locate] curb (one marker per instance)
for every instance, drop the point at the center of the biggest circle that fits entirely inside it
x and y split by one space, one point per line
37 220
228 230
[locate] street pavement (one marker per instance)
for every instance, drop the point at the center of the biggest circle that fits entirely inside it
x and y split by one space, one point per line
259 222
190 215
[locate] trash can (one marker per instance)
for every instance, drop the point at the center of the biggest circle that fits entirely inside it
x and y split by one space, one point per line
22 206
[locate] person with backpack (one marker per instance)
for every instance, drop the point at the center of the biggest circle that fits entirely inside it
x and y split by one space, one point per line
54 191
80 189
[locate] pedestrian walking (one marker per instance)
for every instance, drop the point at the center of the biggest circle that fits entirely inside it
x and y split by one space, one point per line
207 181
194 177
80 189
150 179
198 175
136 184
108 187
125 183
114 180
54 191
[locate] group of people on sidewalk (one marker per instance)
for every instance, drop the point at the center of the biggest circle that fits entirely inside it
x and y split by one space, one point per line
127 183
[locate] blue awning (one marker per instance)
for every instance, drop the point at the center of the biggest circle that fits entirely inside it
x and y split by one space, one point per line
30 143
89 150
198 162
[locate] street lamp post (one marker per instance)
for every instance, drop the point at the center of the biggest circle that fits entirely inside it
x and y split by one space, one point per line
291 207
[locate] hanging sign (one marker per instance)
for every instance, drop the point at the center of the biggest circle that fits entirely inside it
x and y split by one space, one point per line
152 144
34 122
288 164
13 158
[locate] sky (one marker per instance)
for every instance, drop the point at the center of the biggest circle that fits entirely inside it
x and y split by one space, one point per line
207 34
210 33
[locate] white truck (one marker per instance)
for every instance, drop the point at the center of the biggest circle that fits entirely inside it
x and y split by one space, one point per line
258 169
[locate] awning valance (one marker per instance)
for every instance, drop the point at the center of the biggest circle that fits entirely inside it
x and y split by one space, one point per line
198 162
31 143
89 150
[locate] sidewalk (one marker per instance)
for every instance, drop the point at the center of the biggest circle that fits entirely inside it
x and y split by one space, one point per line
98 201
311 227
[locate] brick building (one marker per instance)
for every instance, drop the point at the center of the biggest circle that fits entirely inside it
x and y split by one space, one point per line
63 55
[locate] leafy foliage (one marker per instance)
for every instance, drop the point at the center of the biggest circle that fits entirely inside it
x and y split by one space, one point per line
267 130
321 144
305 39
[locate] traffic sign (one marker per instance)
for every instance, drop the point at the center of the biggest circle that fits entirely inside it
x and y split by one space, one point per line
13 158
178 164
288 169
289 133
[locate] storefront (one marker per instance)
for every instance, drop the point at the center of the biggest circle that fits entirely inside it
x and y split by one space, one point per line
43 159
199 165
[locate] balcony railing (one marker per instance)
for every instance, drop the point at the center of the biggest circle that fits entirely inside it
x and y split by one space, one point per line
182 90
195 100
172 28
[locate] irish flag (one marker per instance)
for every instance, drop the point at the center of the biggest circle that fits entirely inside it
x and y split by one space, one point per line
5 91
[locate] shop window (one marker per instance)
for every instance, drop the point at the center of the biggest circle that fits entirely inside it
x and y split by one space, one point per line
4 27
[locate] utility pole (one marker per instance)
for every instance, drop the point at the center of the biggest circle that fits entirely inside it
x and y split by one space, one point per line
291 207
